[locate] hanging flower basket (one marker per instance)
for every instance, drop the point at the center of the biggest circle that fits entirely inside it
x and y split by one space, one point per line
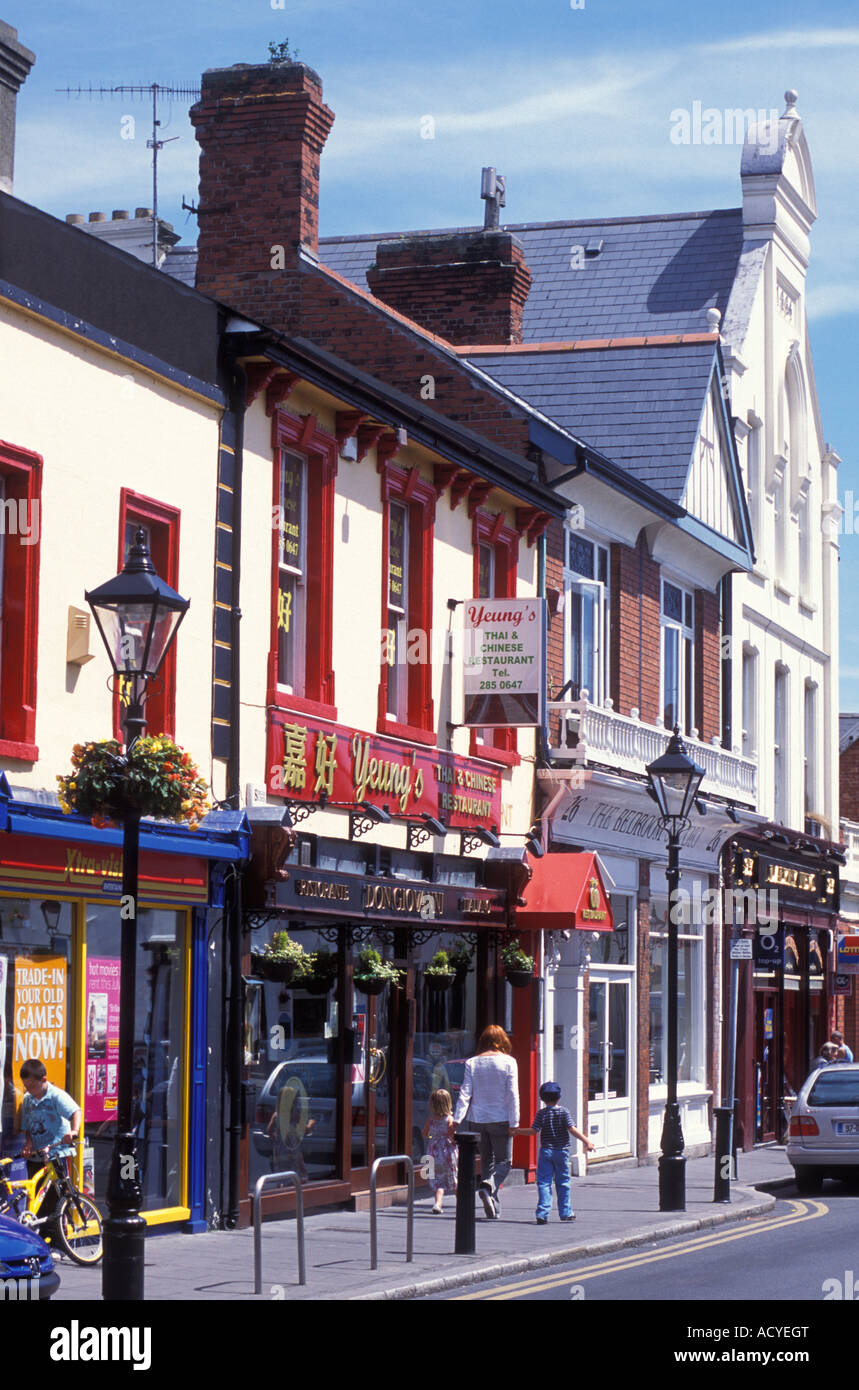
156 778
282 960
373 974
370 984
282 971
438 974
518 967
321 973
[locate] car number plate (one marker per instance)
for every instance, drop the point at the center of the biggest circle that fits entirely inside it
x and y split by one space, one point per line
847 1126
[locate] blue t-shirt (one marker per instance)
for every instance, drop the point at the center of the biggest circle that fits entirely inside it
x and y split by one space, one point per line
45 1120
553 1123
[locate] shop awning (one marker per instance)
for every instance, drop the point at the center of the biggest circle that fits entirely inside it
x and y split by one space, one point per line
566 892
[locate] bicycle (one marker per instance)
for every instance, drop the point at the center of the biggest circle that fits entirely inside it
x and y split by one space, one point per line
75 1222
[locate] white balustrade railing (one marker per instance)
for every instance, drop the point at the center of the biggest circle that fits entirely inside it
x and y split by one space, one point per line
587 733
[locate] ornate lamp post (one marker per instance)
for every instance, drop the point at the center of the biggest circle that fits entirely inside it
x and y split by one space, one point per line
138 616
673 782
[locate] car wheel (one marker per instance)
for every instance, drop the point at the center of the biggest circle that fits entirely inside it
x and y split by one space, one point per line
808 1180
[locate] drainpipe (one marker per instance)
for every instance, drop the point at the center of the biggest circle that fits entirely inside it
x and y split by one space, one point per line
235 1001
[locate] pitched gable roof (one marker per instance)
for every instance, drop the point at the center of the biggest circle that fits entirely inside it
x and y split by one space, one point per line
640 406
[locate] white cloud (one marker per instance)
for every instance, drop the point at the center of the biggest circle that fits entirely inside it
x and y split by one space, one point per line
788 38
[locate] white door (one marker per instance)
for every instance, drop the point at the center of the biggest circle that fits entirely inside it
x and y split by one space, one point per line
609 1065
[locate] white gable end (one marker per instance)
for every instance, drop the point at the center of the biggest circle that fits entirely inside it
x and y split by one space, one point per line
709 494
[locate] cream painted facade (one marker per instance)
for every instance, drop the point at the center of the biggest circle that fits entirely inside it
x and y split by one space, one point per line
785 614
356 642
101 423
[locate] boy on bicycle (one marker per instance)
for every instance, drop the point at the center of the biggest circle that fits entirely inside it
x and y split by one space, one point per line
47 1114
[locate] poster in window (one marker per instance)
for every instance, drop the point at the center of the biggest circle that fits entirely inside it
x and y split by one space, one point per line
102 1038
40 1014
291 511
396 558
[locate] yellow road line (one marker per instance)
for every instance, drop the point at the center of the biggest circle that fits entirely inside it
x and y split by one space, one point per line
615 1264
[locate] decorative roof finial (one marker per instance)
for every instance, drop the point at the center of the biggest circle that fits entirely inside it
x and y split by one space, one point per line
714 319
791 97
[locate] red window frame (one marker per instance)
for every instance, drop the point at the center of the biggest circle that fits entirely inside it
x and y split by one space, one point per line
163 523
500 745
418 495
302 435
22 471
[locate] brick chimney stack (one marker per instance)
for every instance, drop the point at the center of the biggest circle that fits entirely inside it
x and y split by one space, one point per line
469 287
15 64
261 129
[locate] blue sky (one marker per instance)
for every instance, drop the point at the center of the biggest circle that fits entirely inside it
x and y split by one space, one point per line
571 104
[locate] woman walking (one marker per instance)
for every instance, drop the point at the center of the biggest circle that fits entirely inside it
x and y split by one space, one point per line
490 1096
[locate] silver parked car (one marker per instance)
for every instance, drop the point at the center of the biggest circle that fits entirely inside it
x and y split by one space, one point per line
823 1139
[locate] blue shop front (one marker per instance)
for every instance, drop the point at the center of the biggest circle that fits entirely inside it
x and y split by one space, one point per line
60 926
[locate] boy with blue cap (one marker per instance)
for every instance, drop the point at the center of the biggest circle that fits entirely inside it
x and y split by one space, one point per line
554 1125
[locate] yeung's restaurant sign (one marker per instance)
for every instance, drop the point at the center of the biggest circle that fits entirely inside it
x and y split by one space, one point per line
504 679
310 760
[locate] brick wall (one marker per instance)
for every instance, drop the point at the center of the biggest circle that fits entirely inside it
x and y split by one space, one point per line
261 130
848 782
467 287
634 660
708 706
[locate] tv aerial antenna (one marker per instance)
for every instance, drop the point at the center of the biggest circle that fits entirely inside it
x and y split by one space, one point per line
154 92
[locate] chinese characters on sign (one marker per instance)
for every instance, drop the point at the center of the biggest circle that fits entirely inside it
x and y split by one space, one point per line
344 766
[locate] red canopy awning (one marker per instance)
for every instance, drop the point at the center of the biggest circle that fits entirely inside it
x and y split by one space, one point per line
566 892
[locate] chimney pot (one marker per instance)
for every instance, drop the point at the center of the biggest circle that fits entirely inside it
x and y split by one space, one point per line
75 218
261 130
120 215
98 217
469 287
142 212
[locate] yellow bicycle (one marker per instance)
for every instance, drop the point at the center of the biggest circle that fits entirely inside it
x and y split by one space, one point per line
74 1221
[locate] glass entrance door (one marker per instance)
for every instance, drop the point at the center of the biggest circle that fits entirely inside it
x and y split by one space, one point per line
609 1110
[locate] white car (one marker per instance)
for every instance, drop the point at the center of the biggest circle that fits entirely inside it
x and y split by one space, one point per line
823 1138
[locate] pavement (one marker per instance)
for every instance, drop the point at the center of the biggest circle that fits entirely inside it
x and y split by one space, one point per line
616 1207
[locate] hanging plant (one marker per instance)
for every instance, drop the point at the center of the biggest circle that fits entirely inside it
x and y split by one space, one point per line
321 972
283 960
439 974
156 778
373 973
460 958
518 967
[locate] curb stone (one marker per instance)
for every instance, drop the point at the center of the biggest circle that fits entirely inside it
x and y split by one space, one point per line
759 1205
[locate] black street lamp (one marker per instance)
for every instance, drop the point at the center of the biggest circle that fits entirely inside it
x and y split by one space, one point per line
673 781
138 616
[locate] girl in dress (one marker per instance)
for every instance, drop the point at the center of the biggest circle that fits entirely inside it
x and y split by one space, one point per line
441 1149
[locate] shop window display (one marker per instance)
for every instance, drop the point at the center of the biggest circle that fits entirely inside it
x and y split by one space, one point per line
35 999
290 1037
445 1024
159 1044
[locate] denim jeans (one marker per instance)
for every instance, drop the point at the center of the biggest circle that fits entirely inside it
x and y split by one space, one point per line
496 1154
553 1164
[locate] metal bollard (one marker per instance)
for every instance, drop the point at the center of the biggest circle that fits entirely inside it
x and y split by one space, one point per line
464 1241
724 1153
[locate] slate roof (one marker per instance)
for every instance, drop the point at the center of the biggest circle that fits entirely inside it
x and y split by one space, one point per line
653 275
640 406
848 731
